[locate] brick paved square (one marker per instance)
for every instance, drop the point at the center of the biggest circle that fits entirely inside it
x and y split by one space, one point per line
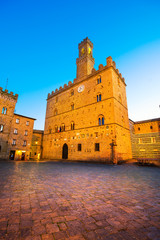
54 200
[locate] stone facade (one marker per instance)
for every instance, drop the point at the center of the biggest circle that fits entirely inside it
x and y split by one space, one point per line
36 147
145 138
7 106
88 119
21 137
15 137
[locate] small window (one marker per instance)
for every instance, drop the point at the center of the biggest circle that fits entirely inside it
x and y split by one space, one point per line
72 92
4 110
27 123
153 140
79 147
35 153
72 107
99 98
63 128
50 130
99 80
96 146
14 142
15 131
151 127
17 120
1 128
139 129
26 133
140 140
24 143
0 148
72 126
102 120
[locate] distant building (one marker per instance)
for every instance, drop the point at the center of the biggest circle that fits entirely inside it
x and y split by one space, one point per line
36 146
88 119
15 130
145 138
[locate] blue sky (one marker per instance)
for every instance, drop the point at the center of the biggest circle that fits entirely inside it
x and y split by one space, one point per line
39 46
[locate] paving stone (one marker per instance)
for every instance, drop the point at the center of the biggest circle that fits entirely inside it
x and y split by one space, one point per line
77 201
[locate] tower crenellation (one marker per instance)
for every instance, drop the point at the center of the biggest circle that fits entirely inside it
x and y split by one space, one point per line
7 94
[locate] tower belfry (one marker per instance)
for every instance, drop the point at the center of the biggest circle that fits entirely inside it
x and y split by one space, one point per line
85 61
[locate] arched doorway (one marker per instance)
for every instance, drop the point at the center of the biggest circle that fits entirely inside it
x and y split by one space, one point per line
65 151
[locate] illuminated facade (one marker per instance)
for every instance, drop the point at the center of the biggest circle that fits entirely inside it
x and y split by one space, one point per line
36 146
145 138
88 119
15 130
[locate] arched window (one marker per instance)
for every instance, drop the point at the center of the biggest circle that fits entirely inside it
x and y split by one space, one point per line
99 97
56 128
72 125
63 127
72 106
101 120
99 80
72 92
4 110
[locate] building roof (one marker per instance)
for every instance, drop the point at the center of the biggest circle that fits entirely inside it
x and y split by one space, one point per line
24 116
148 120
37 131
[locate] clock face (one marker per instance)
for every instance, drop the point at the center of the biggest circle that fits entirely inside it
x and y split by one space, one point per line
80 88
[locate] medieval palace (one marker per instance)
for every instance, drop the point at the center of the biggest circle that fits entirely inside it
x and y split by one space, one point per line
88 119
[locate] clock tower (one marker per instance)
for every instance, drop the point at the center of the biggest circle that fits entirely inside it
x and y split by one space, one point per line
85 61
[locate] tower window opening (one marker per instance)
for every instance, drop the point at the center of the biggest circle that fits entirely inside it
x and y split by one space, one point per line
99 80
97 147
99 97
72 126
101 120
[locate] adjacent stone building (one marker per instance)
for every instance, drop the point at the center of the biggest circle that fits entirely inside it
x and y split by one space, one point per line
145 138
36 146
88 119
15 130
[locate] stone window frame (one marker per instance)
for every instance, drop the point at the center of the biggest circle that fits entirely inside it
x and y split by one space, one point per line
15 131
62 127
72 125
13 142
4 110
27 123
72 106
24 143
55 112
72 92
1 127
101 120
26 133
99 79
99 97
17 120
79 147
97 147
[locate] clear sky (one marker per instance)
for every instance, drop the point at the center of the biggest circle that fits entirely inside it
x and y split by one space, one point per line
39 46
